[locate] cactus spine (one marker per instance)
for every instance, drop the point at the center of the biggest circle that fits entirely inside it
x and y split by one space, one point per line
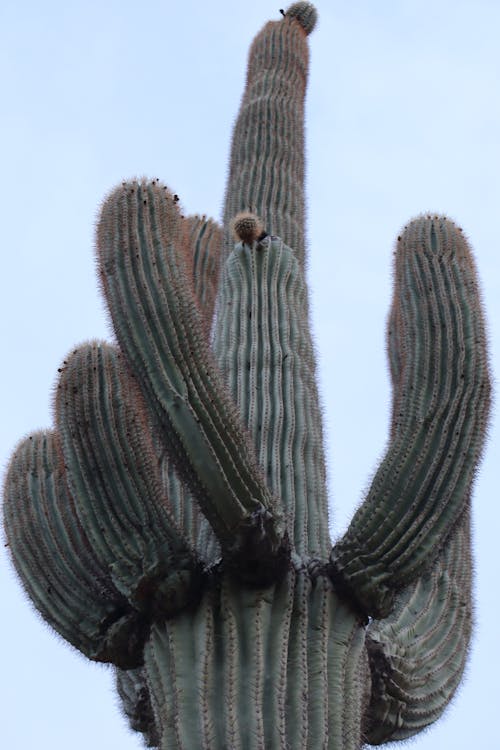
174 522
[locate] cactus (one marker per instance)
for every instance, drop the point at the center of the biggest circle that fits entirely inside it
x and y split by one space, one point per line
174 522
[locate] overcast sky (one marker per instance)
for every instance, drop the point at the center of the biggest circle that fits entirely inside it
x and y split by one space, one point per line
403 116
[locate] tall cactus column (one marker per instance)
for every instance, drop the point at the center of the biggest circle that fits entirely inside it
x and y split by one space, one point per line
267 165
174 522
266 177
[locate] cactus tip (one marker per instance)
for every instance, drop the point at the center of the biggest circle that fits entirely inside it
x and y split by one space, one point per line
247 227
305 13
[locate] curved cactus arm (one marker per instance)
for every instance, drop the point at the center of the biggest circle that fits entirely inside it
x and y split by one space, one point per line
52 554
440 410
158 325
263 349
113 474
205 240
133 691
418 653
204 243
267 165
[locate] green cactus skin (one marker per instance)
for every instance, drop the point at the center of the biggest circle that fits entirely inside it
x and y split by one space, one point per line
134 694
277 667
56 562
174 523
158 324
418 653
204 237
266 171
440 407
113 475
265 358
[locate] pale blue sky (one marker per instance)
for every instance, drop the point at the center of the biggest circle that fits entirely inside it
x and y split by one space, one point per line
403 117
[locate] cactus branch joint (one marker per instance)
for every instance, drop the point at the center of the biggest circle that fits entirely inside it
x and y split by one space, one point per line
174 521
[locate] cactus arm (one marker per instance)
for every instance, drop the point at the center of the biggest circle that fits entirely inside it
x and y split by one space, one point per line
441 403
266 172
113 474
418 653
136 703
348 678
204 242
158 325
263 350
187 513
56 563
262 337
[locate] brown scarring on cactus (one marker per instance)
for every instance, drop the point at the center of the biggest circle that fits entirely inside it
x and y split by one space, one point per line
174 522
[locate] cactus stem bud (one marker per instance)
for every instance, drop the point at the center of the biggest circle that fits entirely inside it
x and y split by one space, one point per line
247 227
304 13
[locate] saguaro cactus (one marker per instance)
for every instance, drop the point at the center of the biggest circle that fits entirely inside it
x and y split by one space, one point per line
174 522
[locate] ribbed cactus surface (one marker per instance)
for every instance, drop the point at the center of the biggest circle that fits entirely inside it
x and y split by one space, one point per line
174 521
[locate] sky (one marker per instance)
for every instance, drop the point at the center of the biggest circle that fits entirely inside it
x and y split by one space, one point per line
403 116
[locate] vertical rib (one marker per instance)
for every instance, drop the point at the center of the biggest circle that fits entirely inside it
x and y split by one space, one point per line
266 173
68 584
418 654
263 349
283 668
